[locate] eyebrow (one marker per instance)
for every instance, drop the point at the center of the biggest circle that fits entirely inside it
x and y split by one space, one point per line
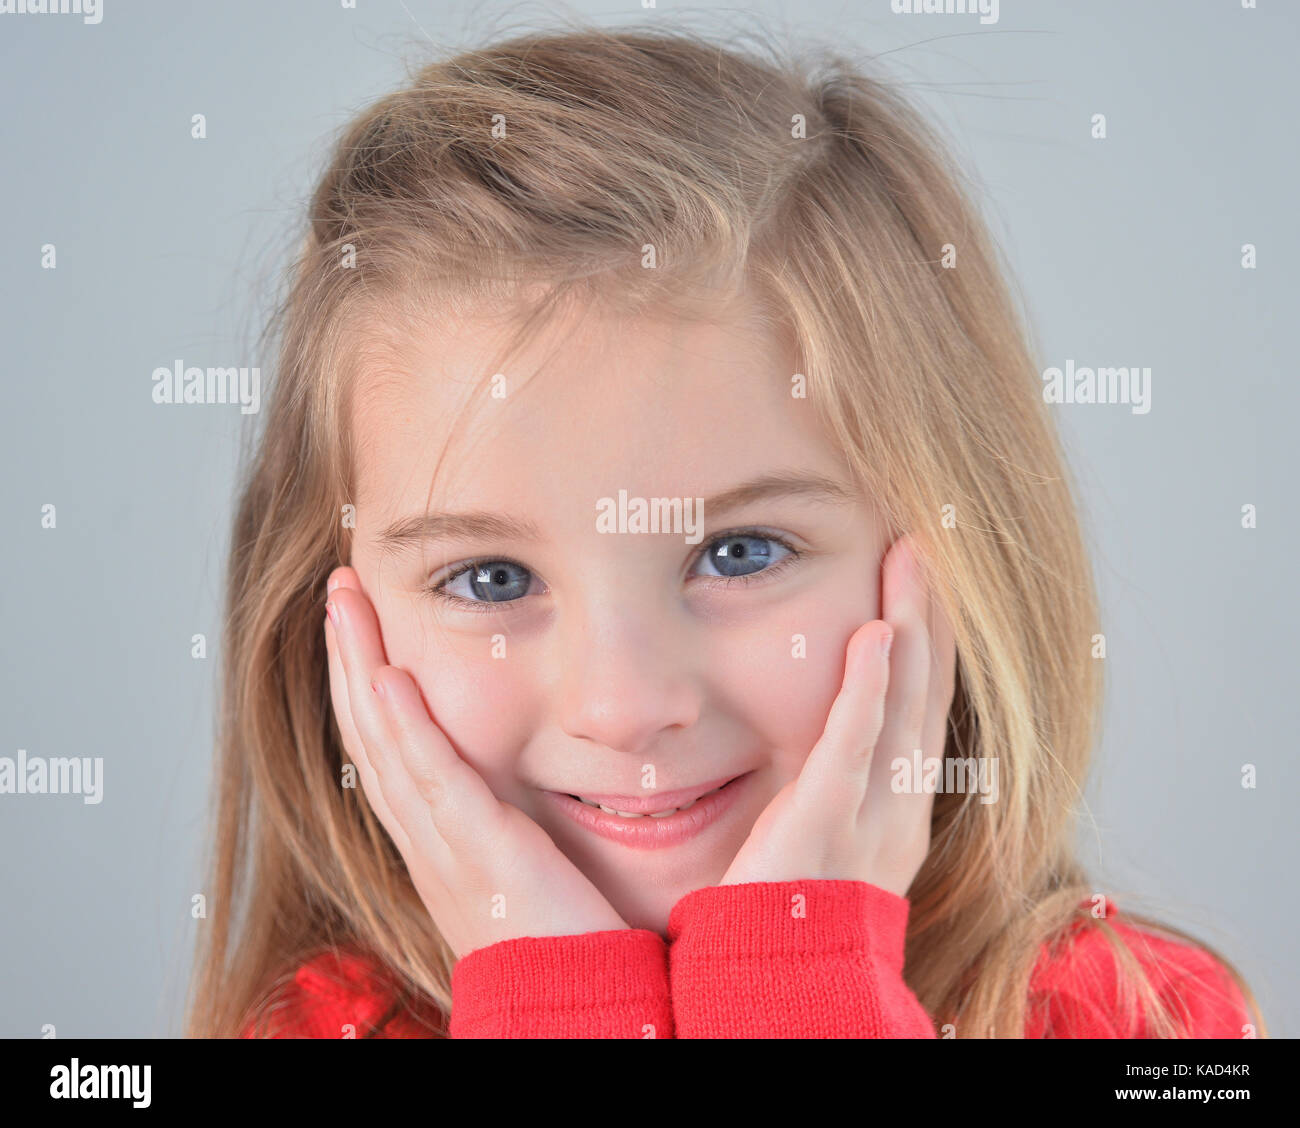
488 526
450 526
770 487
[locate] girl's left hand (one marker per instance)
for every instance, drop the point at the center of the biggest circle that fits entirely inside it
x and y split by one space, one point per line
840 819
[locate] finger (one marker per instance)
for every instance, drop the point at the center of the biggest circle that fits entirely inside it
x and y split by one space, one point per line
843 755
943 680
443 799
362 654
339 690
448 790
343 576
352 744
905 608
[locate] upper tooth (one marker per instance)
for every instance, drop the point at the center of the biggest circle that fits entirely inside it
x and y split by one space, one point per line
625 814
638 814
652 814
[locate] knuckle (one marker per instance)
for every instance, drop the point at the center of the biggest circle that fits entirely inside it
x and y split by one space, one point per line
428 786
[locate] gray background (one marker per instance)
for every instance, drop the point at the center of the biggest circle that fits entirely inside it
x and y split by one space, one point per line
1126 251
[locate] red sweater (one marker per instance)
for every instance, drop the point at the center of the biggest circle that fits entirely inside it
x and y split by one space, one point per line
799 959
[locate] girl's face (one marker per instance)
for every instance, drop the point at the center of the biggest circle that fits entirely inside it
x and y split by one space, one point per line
563 652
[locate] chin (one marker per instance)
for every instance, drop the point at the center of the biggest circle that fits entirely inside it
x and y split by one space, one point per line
649 908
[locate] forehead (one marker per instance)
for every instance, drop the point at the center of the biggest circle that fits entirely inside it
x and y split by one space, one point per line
586 402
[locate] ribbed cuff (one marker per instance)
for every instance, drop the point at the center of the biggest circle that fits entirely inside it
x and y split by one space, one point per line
611 984
762 919
792 959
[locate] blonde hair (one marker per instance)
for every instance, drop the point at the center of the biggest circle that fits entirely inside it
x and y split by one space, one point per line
608 142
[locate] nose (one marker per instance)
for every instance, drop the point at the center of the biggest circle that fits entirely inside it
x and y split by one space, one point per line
627 678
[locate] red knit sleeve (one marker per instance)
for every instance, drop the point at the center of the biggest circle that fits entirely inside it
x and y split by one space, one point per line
792 959
610 984
1080 991
594 985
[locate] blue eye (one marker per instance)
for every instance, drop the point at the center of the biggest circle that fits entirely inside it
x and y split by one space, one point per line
740 554
488 581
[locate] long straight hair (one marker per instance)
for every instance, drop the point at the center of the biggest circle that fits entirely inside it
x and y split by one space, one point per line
659 171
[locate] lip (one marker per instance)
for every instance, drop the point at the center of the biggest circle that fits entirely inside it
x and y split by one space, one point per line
644 803
646 833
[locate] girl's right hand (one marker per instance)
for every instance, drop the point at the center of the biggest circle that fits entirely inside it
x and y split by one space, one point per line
485 871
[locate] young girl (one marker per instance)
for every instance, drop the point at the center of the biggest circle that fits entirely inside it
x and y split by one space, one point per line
657 606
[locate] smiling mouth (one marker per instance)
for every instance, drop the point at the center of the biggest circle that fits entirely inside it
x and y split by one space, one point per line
653 807
647 814
658 820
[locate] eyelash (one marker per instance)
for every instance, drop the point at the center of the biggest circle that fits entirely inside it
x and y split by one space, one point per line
438 590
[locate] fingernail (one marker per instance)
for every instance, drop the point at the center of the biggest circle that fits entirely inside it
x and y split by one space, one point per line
331 584
332 612
886 641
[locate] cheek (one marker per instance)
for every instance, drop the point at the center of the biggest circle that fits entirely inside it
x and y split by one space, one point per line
779 678
478 690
